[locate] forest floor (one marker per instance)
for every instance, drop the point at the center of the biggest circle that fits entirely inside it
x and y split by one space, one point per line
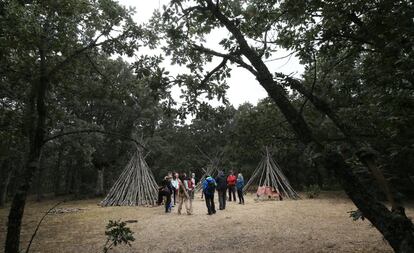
308 225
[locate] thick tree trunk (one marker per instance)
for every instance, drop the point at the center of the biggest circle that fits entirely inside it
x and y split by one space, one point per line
396 228
99 191
4 185
39 181
36 121
17 207
368 160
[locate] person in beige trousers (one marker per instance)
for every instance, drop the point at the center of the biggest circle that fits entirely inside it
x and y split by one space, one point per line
183 196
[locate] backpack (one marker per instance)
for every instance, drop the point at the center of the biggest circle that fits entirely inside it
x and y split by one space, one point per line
211 187
166 190
190 184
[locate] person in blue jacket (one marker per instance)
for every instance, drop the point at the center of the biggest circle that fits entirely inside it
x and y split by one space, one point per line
209 187
239 186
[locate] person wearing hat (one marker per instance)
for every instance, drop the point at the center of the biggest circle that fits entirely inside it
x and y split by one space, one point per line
165 190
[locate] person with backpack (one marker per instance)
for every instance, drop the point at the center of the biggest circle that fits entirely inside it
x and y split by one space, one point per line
165 190
183 197
209 186
221 189
231 185
239 186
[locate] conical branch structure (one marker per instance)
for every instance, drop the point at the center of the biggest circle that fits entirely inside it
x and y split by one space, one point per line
268 174
212 170
135 186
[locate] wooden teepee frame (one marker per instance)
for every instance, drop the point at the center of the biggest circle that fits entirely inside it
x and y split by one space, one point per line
271 175
135 186
212 168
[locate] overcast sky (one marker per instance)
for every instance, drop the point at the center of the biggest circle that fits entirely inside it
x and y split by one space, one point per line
243 87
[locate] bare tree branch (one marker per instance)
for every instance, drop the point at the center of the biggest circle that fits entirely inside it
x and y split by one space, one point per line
40 222
204 154
231 57
212 72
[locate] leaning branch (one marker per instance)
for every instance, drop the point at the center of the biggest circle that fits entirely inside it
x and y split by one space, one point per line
212 72
204 154
40 223
350 136
230 57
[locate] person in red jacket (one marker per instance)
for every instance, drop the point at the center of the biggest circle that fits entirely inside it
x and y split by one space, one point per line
231 185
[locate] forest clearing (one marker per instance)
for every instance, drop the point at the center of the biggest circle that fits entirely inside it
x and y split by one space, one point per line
128 104
306 225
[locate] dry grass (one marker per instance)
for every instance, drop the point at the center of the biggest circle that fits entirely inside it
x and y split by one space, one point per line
319 225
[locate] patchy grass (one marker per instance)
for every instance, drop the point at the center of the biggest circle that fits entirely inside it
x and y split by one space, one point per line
309 225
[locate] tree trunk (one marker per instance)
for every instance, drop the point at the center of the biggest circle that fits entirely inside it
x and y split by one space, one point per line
4 185
320 175
367 160
397 228
36 121
76 180
39 181
100 182
69 171
57 174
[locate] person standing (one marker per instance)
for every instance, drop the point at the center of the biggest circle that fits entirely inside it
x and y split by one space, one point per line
165 190
239 186
231 185
221 189
191 186
183 197
209 186
174 183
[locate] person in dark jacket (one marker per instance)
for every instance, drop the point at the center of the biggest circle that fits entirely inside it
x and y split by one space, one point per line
166 190
209 187
240 186
221 189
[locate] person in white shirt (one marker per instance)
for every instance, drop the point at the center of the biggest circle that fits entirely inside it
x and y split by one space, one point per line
192 185
175 184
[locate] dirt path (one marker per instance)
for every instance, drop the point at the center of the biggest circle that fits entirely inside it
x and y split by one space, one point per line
321 225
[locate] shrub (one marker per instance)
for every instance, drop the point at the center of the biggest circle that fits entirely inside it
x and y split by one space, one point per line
313 191
117 233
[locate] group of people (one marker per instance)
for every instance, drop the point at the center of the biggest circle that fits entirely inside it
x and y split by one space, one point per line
179 186
221 184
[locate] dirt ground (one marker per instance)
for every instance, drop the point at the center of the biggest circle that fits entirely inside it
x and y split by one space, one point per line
308 225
